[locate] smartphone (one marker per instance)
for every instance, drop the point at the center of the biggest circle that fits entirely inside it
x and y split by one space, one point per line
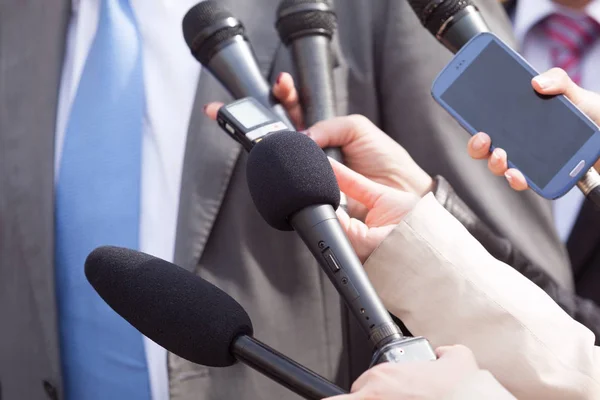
248 122
487 88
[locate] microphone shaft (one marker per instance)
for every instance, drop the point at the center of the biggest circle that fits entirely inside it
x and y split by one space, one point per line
236 68
283 370
461 28
314 66
322 233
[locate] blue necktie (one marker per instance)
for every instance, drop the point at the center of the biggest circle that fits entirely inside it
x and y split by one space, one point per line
98 203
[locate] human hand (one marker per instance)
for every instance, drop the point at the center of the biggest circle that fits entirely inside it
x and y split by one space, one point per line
418 380
366 148
385 207
552 82
284 91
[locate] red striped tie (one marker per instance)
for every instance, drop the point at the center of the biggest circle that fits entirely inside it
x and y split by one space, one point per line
571 37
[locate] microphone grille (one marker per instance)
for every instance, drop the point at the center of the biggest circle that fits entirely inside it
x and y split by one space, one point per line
206 26
297 18
433 14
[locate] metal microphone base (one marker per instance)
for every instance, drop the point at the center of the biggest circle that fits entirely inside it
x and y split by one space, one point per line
407 349
590 186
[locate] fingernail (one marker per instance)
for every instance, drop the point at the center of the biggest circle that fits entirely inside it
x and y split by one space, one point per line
543 81
478 143
205 107
508 177
279 78
495 156
306 132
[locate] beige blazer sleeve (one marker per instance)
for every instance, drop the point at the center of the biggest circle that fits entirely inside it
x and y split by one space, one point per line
479 386
434 276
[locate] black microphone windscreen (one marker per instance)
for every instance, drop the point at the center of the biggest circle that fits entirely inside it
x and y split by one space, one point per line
287 172
296 18
434 13
173 307
206 26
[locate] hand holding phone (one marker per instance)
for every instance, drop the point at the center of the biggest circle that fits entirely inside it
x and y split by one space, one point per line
552 82
487 88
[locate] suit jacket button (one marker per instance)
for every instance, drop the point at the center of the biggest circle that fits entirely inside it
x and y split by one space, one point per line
50 390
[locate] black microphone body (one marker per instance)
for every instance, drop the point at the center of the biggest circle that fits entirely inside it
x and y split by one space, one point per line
236 68
282 370
307 27
320 229
452 22
219 42
192 318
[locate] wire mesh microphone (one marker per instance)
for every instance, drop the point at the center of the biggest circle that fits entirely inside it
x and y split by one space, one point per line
191 317
218 40
452 22
307 27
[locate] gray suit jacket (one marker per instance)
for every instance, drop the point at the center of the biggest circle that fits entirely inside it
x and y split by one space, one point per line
387 64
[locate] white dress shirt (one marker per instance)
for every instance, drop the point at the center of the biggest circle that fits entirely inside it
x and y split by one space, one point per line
171 76
535 47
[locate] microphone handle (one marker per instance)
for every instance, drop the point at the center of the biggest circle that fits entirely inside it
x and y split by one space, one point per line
283 370
236 68
314 66
322 233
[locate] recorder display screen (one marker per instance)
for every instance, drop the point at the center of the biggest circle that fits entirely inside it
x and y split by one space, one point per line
248 114
494 95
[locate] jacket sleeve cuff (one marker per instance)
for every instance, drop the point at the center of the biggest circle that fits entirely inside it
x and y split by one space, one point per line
442 284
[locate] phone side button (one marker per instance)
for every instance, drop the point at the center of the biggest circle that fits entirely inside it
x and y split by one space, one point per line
577 169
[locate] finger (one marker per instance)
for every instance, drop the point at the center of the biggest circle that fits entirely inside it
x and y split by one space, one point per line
516 179
211 110
285 91
497 162
557 81
357 210
353 396
479 146
344 218
356 186
341 131
447 351
361 381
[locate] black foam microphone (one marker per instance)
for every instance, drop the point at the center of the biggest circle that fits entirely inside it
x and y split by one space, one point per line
294 188
191 318
218 40
452 22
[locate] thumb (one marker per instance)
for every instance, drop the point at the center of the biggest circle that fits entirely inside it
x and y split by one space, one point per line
556 81
356 185
340 131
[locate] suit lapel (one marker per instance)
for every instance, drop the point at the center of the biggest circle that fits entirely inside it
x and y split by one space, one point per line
210 154
31 56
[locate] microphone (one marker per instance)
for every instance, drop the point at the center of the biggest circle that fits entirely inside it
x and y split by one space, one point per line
191 317
218 40
452 22
306 27
293 187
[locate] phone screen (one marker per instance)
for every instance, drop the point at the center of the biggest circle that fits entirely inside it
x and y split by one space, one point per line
540 134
